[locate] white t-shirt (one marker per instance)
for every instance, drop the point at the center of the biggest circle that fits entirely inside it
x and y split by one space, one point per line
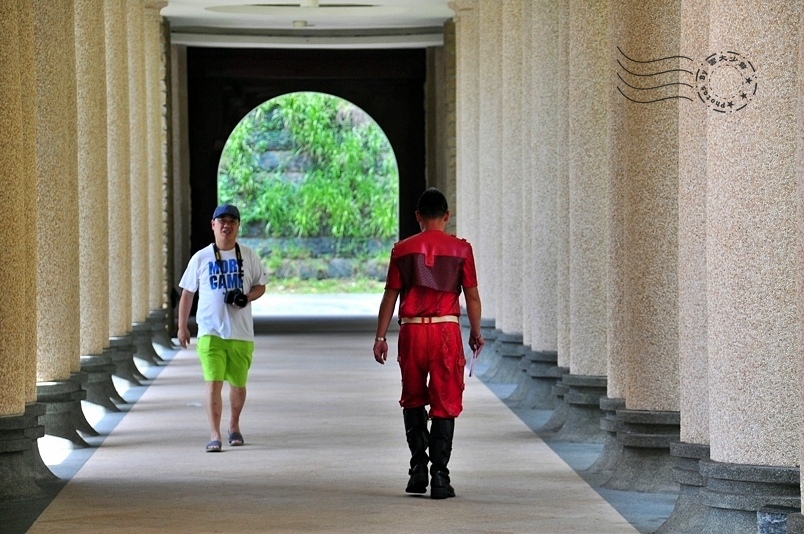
211 280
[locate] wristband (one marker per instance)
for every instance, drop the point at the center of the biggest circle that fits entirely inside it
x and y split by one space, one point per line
379 339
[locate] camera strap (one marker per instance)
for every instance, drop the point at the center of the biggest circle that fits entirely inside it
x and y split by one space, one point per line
219 261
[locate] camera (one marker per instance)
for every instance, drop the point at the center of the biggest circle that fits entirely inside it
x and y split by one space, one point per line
236 297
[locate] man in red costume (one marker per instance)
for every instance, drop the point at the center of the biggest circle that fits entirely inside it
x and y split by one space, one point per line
428 271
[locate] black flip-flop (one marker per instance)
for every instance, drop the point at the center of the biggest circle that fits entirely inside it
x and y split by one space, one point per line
235 439
214 446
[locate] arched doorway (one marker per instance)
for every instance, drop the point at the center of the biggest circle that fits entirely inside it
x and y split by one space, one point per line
225 84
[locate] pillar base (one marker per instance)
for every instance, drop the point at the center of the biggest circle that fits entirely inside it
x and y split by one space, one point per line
100 387
689 514
121 350
645 464
583 414
602 468
543 369
507 369
144 348
530 393
559 415
63 413
158 319
21 467
734 493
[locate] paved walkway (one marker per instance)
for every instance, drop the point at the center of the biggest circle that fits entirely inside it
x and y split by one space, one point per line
325 452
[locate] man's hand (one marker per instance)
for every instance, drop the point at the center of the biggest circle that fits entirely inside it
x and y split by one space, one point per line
381 351
476 343
184 337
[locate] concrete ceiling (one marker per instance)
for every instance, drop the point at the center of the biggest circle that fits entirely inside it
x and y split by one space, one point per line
308 23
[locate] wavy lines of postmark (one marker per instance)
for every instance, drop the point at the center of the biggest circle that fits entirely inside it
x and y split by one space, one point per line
647 81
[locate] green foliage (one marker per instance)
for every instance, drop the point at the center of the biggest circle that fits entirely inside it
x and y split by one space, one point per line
349 186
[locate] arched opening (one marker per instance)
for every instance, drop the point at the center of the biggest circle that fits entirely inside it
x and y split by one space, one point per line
317 184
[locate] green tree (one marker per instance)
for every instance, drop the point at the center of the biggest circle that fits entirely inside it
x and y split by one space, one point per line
350 185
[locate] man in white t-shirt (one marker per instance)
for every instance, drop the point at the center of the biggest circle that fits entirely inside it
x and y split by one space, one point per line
227 277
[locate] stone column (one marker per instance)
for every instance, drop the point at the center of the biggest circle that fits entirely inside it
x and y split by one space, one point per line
562 204
156 319
643 237
468 191
155 81
588 187
510 180
172 218
795 523
93 204
488 248
141 210
751 262
57 274
689 514
121 346
546 127
21 467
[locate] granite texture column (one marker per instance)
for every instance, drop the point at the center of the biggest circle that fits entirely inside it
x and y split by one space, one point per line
795 522
468 192
643 236
93 202
547 128
588 187
689 513
752 268
509 318
489 148
490 152
57 250
118 159
562 224
155 80
139 184
21 468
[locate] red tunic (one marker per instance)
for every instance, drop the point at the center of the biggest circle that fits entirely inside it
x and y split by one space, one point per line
429 270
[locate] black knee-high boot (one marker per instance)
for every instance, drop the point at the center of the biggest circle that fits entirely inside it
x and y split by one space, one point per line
418 438
441 432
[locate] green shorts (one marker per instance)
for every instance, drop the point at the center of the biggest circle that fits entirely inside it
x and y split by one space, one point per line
225 359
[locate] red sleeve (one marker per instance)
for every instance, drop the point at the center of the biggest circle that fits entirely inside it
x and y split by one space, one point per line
394 279
469 273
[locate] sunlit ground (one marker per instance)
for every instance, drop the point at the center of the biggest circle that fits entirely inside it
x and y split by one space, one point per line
310 303
55 450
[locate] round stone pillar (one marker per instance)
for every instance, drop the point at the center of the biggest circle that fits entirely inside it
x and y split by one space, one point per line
540 363
138 162
588 187
21 467
118 160
155 76
93 200
489 147
643 237
57 250
509 317
754 389
562 222
689 514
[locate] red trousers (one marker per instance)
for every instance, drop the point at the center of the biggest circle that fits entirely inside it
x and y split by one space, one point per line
435 352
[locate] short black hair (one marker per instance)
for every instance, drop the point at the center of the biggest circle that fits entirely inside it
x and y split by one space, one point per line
432 204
